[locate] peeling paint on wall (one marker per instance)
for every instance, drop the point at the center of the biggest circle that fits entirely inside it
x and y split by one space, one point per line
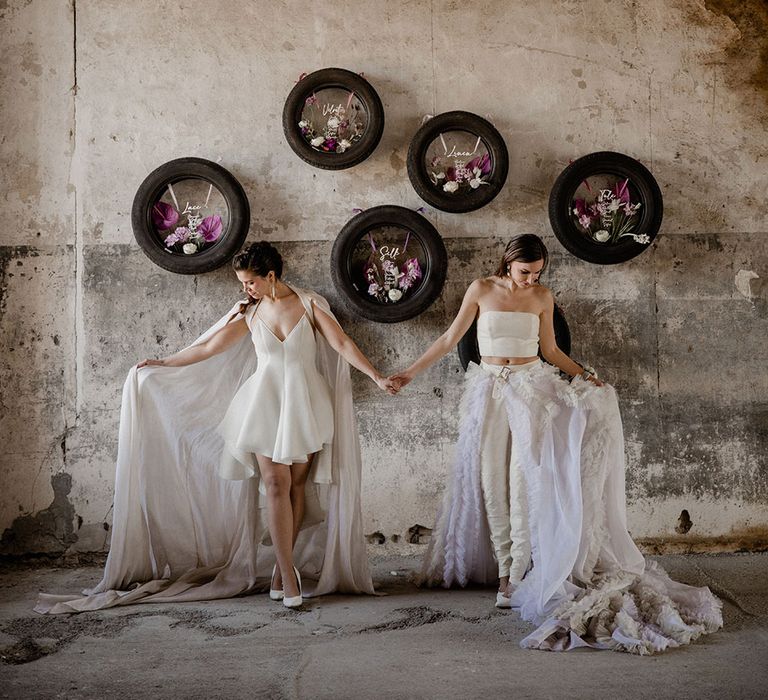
50 531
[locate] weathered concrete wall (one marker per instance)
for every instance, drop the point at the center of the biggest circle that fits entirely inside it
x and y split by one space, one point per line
96 94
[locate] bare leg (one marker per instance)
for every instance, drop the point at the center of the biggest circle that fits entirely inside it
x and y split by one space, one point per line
299 473
277 480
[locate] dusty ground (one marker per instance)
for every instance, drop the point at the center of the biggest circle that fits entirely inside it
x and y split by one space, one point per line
410 643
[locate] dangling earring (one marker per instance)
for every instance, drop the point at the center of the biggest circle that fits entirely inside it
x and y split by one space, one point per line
273 290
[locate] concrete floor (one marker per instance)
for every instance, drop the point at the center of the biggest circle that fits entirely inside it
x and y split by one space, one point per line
409 643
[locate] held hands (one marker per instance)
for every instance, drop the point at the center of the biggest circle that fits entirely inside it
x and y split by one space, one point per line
400 380
386 384
393 383
592 378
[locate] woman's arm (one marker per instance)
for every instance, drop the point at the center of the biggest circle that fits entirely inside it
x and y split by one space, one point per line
448 340
548 342
345 346
221 340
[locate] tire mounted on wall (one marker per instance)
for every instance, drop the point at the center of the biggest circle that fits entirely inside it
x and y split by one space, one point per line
434 270
345 80
420 177
230 240
469 352
624 167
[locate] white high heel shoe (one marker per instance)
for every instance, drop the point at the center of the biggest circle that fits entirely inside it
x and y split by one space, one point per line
275 593
294 601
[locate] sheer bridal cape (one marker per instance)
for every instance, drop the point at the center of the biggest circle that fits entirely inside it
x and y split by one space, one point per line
180 532
589 585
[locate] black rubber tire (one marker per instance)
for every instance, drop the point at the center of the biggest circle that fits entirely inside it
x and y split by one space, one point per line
606 162
469 352
330 78
457 121
231 239
434 270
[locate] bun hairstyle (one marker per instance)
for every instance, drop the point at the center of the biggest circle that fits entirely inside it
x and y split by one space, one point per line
260 258
527 247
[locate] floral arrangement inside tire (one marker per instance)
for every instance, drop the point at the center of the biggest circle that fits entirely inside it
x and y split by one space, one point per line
190 216
468 350
389 264
605 208
333 119
457 162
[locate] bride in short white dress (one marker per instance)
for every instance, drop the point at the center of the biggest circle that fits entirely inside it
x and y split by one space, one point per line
278 425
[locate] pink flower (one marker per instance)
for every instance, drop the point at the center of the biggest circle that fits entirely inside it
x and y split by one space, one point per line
210 228
483 163
412 274
621 191
164 216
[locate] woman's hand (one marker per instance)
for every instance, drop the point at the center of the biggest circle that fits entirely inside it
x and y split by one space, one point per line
385 384
400 379
151 363
592 378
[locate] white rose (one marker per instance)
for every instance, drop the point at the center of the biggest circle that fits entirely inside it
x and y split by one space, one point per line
395 294
302 124
343 145
475 183
318 141
451 186
602 236
189 248
333 123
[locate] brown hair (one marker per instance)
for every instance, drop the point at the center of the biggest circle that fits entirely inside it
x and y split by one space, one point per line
260 258
527 247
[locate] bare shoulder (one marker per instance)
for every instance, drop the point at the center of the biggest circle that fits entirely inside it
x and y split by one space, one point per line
482 286
544 296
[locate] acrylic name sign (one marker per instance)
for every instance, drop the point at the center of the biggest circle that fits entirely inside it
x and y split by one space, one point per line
458 154
386 252
333 109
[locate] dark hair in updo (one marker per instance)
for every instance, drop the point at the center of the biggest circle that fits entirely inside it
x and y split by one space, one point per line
260 258
527 247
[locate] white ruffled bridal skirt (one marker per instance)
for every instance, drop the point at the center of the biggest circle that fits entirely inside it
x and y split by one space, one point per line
589 585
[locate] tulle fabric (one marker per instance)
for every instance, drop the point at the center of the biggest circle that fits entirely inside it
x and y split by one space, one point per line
589 585
180 532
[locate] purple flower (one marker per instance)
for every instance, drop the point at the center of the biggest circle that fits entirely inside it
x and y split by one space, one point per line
180 235
311 100
210 228
164 216
482 162
330 144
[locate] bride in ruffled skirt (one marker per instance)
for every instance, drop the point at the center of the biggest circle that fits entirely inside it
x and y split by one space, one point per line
536 495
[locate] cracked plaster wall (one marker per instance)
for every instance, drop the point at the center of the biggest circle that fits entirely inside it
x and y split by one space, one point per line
94 95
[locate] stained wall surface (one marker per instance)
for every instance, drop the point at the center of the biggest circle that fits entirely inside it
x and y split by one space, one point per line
97 94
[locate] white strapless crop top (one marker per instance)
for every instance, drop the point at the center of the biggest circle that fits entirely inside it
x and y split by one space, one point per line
508 334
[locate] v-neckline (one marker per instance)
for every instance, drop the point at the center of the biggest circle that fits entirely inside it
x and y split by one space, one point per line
274 335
